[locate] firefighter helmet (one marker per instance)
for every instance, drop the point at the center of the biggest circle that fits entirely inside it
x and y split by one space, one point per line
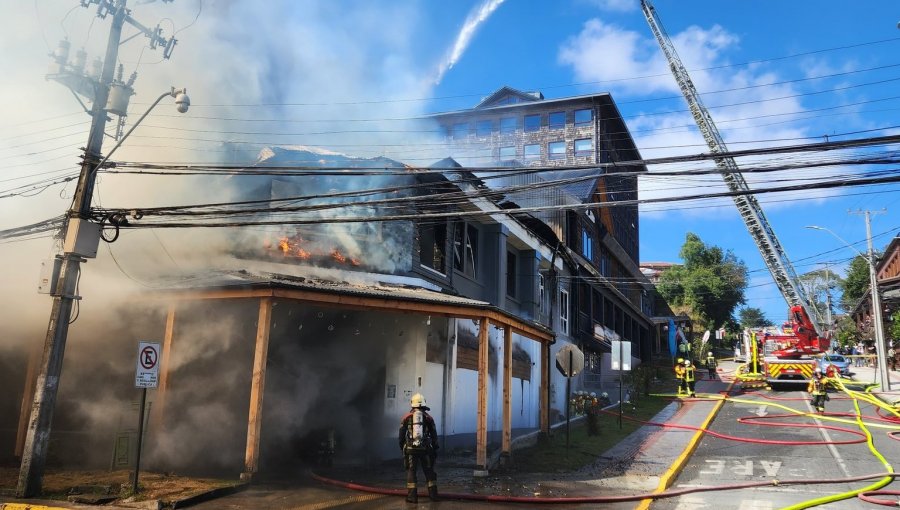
417 401
818 372
687 363
680 360
593 395
604 395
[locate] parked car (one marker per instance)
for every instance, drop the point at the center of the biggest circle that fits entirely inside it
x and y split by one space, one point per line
841 363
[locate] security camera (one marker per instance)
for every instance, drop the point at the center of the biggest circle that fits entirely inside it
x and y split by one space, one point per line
182 102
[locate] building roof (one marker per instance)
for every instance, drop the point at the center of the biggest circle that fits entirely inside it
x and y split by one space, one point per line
370 291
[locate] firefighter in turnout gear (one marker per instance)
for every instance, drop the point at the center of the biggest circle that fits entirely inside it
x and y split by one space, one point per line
679 375
419 443
711 365
817 389
690 378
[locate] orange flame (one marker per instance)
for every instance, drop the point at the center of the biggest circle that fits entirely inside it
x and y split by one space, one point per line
338 256
284 245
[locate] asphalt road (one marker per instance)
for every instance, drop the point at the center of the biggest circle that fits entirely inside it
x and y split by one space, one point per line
720 462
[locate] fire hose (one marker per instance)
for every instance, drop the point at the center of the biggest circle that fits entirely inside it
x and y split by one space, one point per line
867 493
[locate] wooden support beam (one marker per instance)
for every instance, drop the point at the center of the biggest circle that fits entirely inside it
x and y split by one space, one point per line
254 423
157 412
351 301
505 448
545 389
34 359
481 467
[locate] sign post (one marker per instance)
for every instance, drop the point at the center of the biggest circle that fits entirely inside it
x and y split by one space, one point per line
569 361
146 376
621 361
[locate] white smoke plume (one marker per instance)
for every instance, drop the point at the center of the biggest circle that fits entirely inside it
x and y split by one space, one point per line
469 28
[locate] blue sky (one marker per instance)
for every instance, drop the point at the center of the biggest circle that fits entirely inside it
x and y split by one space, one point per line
346 75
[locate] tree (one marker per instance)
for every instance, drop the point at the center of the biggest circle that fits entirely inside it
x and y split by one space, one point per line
846 331
711 282
856 284
819 284
753 318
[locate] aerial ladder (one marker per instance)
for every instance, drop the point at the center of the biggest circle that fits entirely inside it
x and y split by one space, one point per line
804 316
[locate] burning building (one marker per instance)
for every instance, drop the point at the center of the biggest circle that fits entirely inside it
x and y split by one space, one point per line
307 345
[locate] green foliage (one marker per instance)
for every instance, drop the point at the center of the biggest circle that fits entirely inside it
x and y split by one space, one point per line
856 284
550 455
895 325
711 282
753 318
846 331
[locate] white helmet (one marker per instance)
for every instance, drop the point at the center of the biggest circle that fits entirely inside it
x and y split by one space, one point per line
687 362
593 395
604 395
417 400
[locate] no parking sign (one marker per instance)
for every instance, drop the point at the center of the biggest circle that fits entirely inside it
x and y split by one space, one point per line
147 373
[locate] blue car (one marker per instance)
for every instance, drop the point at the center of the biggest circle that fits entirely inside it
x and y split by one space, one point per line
841 363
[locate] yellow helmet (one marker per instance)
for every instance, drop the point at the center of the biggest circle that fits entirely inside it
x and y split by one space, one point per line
681 360
417 400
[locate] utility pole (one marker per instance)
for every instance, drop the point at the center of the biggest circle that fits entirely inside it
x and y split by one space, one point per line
880 345
82 239
828 316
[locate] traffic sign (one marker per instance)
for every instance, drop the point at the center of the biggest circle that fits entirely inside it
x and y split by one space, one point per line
147 373
621 355
570 360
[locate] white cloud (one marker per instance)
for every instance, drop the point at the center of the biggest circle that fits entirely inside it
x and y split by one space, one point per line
631 65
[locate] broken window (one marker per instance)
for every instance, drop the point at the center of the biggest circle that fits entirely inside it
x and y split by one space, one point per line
432 243
465 249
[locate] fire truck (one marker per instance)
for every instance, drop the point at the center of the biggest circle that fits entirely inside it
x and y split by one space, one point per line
790 358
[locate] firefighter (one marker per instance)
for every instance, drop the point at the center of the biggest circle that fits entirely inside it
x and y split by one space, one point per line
817 389
711 365
419 443
679 375
689 378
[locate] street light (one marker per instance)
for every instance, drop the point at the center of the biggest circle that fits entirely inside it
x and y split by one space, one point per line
876 304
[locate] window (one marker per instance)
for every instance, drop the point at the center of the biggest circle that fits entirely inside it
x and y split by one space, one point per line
584 146
587 245
542 295
432 243
460 130
532 123
532 151
484 128
557 120
557 150
511 272
584 117
564 311
507 125
465 248
507 153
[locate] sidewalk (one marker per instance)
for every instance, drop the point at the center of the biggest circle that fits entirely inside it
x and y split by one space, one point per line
870 375
646 461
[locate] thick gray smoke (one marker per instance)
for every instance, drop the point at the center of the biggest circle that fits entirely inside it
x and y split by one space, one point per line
280 74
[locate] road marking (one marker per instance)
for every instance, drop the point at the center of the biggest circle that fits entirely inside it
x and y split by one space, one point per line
831 448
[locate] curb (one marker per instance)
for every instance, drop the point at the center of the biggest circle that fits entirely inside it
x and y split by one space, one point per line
28 506
666 479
